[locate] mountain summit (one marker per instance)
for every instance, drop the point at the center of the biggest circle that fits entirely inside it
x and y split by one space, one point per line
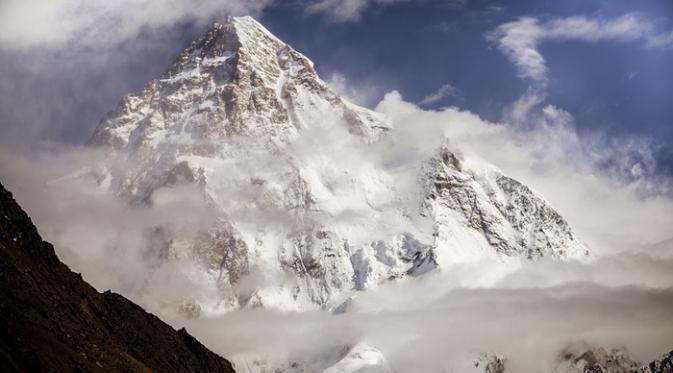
310 207
237 79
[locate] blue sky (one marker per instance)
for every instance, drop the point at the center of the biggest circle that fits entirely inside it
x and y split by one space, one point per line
617 88
55 90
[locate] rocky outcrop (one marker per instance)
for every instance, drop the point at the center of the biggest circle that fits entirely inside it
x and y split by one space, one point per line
663 364
585 359
237 79
501 214
582 358
53 321
490 363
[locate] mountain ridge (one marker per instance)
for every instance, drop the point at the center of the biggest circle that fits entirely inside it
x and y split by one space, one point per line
246 119
53 321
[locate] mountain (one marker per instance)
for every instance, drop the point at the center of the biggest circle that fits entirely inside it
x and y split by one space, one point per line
579 358
307 199
582 358
53 321
575 358
237 79
360 359
662 364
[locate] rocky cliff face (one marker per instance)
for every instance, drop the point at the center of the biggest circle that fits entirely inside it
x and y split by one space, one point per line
663 364
501 214
237 79
581 358
53 321
245 117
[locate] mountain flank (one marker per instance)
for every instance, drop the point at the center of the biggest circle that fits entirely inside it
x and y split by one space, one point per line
51 320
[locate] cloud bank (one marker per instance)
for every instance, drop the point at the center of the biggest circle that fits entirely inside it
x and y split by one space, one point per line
438 322
623 297
92 23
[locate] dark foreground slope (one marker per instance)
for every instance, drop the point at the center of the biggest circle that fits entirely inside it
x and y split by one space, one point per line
51 320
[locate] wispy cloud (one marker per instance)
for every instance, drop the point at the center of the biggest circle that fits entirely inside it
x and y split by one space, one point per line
365 93
443 92
664 40
114 246
520 40
55 23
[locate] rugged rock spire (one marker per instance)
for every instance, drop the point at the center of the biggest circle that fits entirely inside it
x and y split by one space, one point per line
237 79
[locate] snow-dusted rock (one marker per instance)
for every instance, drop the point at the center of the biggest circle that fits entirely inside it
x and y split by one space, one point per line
479 211
381 260
299 228
582 358
488 363
361 359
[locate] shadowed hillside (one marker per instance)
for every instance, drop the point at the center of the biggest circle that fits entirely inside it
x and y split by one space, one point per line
51 320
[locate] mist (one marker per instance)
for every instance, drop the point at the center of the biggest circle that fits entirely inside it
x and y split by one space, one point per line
622 296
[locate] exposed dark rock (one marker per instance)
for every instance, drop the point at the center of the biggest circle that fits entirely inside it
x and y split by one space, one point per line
490 363
582 358
53 321
663 364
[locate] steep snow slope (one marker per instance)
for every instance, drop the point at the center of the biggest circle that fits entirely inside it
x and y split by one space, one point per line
501 214
361 359
303 222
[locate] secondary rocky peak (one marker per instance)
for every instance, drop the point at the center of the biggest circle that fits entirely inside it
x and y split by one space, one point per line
502 214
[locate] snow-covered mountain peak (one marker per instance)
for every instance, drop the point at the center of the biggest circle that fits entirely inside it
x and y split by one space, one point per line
251 35
307 211
236 79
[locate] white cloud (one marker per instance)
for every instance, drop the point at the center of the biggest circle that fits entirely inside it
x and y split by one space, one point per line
596 184
443 92
442 315
518 112
520 40
91 23
364 93
664 40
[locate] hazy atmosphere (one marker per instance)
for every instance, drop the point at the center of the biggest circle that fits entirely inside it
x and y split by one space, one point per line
470 179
